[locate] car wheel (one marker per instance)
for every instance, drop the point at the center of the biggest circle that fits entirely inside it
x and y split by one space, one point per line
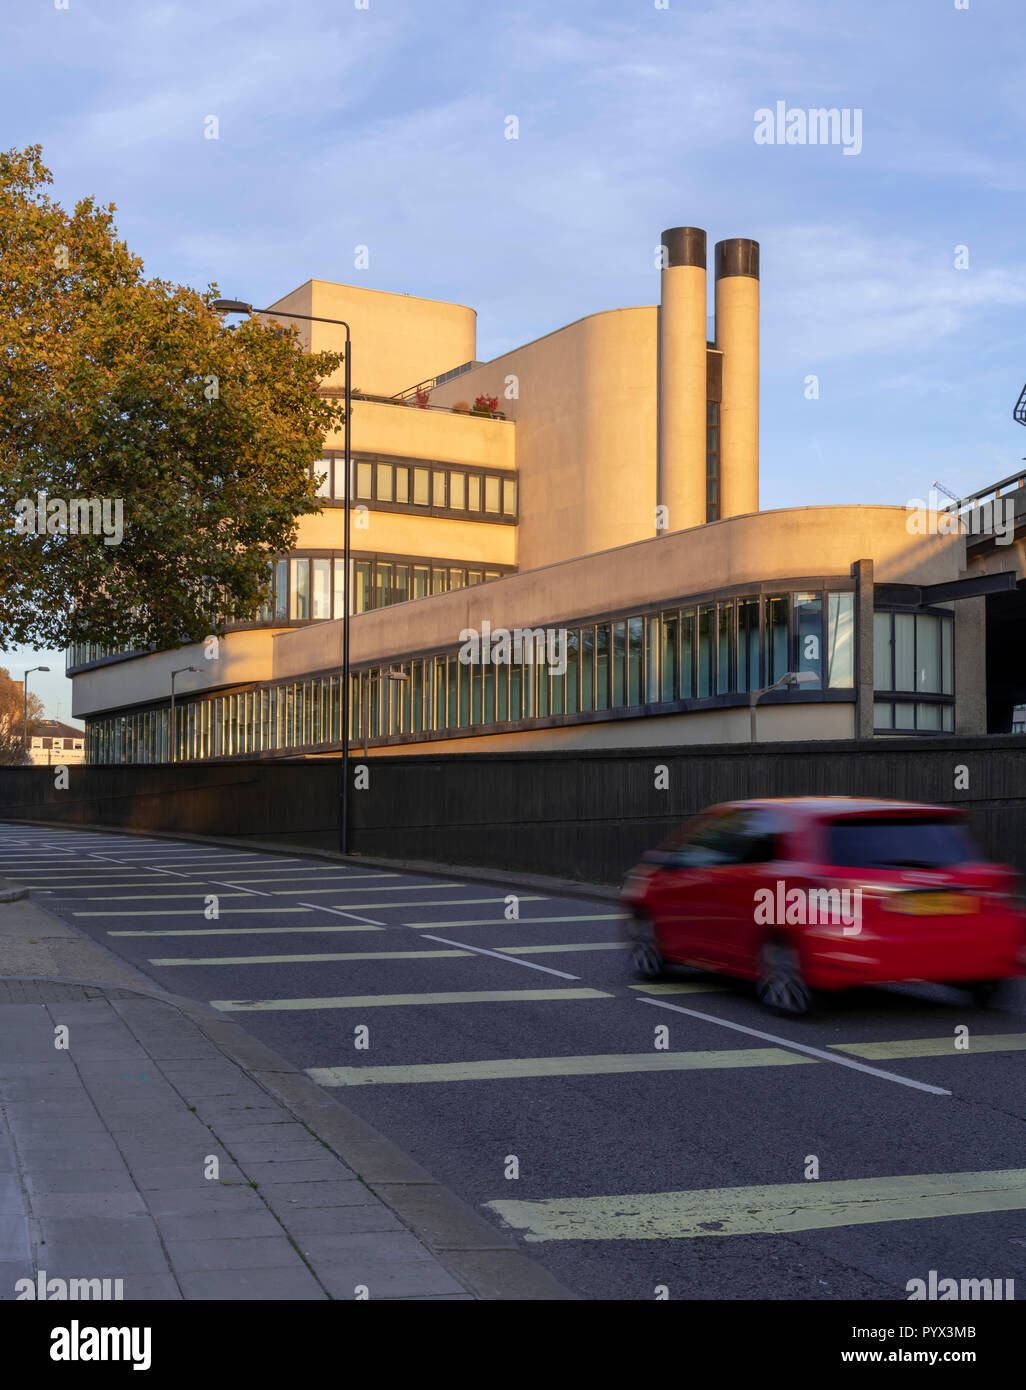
646 961
781 986
983 992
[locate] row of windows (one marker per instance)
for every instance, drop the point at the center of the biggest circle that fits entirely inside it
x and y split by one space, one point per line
913 717
304 587
81 652
696 652
913 652
390 482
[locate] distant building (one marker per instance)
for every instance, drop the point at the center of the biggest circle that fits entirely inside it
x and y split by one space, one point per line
53 742
596 489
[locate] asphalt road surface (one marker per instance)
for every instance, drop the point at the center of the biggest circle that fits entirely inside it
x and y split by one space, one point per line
510 1052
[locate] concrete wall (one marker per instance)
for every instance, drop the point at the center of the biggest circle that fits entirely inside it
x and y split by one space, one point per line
775 724
585 433
398 340
429 434
243 657
405 533
791 544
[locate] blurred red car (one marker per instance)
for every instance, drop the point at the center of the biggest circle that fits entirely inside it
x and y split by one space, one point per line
826 893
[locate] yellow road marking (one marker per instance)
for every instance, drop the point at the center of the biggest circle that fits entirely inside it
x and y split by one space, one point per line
244 931
766 1210
507 1068
682 988
565 946
289 960
937 1047
377 1001
502 921
191 912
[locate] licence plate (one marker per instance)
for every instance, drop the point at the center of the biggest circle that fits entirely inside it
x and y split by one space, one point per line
935 904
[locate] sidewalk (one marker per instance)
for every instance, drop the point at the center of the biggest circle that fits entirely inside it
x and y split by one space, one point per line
108 1149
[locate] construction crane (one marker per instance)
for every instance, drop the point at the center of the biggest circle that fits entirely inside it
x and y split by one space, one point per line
1020 407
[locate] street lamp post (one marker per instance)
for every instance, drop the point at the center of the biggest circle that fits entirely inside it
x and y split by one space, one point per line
24 707
238 306
789 679
171 731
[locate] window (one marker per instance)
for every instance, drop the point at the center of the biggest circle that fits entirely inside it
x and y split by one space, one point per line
491 494
687 653
421 479
587 668
382 585
457 491
363 585
748 644
322 476
808 622
913 653
473 493
602 666
300 588
724 645
509 496
281 589
384 482
364 480
402 484
340 589
841 641
777 664
635 645
899 842
438 490
321 589
705 649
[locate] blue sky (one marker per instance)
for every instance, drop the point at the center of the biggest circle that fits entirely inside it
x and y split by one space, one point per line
384 126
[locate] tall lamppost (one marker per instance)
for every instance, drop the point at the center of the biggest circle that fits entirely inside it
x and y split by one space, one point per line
24 707
171 732
238 306
789 679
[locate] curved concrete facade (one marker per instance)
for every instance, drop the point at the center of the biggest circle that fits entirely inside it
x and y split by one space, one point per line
585 413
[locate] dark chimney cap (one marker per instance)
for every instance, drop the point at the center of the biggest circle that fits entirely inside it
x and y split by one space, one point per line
738 256
684 246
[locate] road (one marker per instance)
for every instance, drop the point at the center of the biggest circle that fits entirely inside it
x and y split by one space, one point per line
509 1052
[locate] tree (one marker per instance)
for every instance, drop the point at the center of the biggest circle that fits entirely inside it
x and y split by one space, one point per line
119 388
12 710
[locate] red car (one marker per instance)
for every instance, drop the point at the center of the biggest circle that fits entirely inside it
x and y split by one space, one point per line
826 893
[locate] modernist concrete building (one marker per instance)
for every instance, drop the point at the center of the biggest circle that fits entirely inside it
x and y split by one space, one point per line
603 498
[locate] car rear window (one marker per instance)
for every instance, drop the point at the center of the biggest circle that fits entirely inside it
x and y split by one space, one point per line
900 842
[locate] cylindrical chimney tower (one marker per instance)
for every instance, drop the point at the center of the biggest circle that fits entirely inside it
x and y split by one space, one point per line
680 485
737 336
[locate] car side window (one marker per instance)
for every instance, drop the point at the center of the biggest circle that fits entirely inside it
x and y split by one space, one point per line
763 839
719 840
